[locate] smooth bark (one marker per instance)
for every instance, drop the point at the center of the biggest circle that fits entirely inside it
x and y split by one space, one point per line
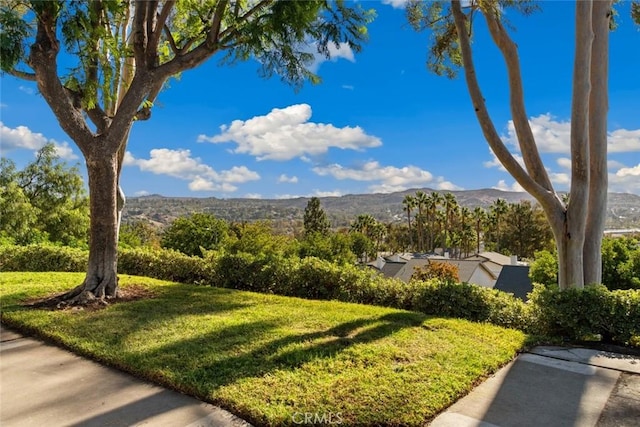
577 226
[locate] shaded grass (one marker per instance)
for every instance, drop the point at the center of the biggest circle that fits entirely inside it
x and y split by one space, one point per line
267 357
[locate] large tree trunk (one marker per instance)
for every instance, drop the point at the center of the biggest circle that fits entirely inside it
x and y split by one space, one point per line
101 280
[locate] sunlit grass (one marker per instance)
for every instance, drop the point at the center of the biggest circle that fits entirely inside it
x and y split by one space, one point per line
266 357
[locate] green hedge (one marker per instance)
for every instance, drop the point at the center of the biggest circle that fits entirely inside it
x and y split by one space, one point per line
41 257
591 313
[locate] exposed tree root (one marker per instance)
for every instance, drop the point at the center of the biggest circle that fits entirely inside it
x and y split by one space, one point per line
87 300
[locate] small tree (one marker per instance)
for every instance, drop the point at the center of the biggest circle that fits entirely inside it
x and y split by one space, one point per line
190 235
315 218
44 201
121 54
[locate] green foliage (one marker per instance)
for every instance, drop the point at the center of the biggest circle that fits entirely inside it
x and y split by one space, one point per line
164 265
544 268
592 313
315 218
620 263
437 270
14 31
334 247
362 246
42 257
257 238
139 233
468 301
44 201
189 234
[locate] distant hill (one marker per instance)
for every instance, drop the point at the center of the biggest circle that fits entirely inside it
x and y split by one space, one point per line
623 209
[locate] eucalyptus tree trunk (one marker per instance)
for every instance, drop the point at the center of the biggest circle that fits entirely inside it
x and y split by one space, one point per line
578 224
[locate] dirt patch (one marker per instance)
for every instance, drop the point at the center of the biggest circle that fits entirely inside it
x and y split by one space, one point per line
131 292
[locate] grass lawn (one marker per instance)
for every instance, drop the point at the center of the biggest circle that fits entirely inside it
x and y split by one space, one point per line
267 357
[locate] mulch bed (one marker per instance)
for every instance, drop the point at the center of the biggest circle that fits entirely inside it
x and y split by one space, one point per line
129 293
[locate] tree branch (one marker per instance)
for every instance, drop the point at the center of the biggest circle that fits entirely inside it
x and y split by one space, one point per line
214 32
43 60
139 33
546 198
22 75
153 31
526 140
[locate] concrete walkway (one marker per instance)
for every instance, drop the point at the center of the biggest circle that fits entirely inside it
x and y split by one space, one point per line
43 385
554 387
550 386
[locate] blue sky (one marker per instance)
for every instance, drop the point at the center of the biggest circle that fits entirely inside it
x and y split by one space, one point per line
379 122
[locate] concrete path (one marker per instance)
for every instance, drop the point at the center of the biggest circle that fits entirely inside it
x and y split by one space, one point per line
554 387
43 385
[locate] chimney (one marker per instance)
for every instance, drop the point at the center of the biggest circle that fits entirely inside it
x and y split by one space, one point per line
514 259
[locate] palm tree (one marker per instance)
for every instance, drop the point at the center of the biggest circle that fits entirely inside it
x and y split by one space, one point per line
499 209
464 228
409 203
432 204
421 200
479 218
450 208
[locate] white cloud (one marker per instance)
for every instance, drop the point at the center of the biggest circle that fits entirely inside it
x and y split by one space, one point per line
315 193
495 163
3 105
396 4
555 136
22 137
253 196
560 178
503 186
334 193
343 50
390 178
625 180
564 162
634 171
26 89
287 179
141 193
179 164
286 133
446 185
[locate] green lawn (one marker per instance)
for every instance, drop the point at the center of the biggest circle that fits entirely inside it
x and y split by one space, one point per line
267 357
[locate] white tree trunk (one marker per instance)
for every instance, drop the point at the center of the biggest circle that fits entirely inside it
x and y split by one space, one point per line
578 226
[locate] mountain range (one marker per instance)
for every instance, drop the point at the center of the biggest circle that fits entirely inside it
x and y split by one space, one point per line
623 209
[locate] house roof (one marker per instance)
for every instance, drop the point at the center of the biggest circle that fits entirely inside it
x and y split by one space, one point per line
514 279
493 257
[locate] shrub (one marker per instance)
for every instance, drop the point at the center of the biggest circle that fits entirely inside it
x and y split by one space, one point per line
189 234
437 270
42 257
164 264
468 301
544 268
592 313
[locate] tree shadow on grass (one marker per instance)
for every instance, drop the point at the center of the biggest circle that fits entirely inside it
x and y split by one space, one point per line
238 357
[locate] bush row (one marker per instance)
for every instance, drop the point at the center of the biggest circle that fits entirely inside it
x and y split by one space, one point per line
592 313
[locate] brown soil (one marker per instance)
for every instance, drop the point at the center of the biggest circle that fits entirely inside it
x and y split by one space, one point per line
129 293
